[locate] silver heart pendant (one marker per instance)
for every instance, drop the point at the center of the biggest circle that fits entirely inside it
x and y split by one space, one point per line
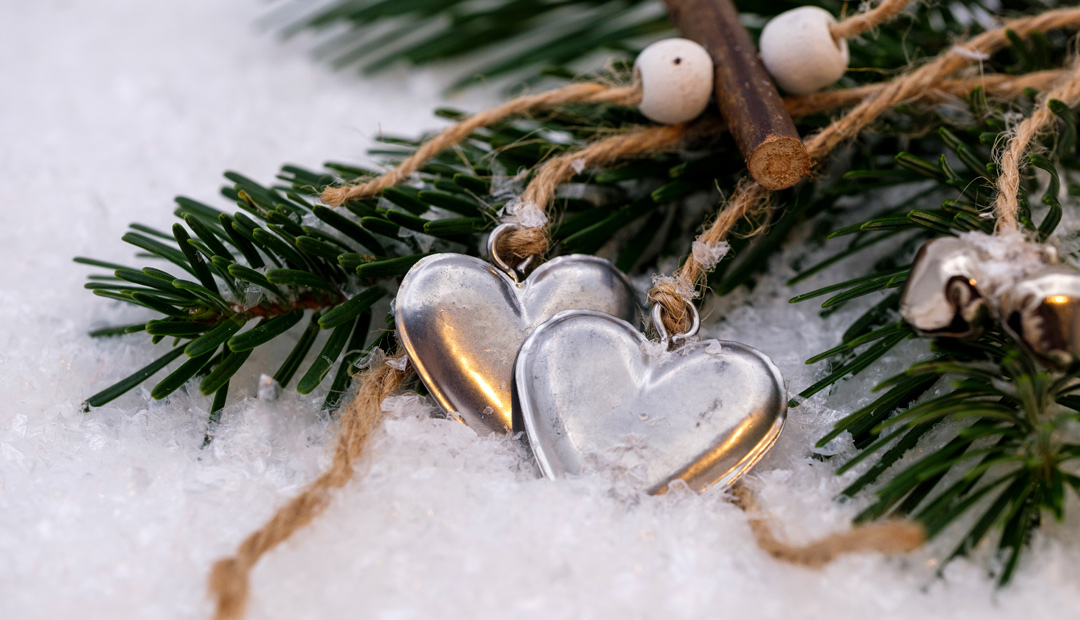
595 395
462 321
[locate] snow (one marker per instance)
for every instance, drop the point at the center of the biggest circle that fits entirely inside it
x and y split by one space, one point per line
111 107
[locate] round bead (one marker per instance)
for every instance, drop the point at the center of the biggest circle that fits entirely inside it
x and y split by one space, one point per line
799 52
676 77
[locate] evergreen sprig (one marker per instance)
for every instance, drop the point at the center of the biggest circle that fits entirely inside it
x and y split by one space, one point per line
556 36
220 285
998 460
223 284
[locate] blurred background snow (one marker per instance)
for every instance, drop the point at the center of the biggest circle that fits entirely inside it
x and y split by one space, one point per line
109 108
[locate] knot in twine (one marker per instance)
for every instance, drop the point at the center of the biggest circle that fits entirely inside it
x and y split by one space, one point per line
525 241
675 296
521 243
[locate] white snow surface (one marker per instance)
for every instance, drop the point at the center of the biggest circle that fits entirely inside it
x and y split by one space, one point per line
109 108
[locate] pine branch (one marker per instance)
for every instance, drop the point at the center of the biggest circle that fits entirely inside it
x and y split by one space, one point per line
555 37
1002 421
219 285
223 284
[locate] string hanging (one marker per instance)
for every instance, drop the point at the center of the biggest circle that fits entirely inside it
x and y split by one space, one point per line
1007 205
587 92
230 578
750 199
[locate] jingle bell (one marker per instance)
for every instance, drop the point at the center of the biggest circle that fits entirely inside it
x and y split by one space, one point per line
1043 314
941 297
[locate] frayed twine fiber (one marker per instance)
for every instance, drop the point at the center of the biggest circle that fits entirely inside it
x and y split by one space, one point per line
230 579
1007 205
748 199
892 536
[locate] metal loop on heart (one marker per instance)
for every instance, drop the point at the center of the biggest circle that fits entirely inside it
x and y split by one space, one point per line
517 272
661 329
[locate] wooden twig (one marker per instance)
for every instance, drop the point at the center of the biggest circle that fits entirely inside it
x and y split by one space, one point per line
762 128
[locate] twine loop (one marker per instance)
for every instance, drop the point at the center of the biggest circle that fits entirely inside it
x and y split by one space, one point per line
229 579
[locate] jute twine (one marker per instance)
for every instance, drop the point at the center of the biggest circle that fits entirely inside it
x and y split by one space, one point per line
651 140
1007 205
586 92
891 536
750 199
524 242
230 578
864 22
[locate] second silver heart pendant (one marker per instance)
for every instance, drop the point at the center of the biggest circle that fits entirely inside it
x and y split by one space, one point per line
595 395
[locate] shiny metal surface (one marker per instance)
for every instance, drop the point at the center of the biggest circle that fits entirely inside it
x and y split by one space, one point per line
462 322
518 274
595 395
1043 314
661 330
941 296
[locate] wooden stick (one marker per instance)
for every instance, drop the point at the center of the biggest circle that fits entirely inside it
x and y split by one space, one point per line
762 128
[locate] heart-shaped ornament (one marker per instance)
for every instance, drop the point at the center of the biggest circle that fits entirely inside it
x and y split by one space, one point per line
595 395
462 321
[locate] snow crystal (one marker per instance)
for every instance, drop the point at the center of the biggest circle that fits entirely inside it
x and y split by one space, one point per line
114 107
709 254
399 362
524 214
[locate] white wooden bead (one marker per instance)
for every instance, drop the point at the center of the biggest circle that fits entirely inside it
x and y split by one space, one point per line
676 77
799 52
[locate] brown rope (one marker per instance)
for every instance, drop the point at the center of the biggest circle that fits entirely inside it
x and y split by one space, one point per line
747 200
587 92
1007 205
893 536
867 20
750 199
230 578
924 78
525 242
994 84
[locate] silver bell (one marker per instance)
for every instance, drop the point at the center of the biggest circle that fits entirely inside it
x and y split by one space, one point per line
1043 314
941 297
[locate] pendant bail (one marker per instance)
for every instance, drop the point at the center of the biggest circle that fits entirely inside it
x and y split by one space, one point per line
517 274
675 339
